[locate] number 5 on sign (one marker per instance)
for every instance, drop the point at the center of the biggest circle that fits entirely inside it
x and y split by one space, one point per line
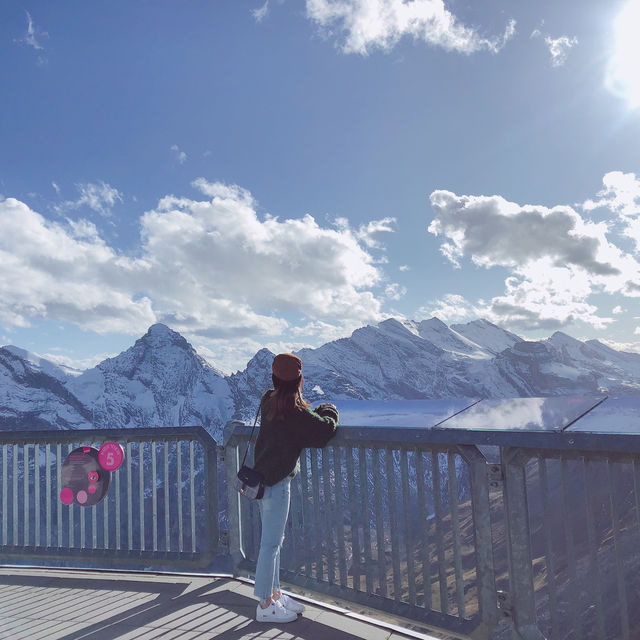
110 456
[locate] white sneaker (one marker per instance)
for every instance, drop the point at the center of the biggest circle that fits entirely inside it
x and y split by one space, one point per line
290 604
275 613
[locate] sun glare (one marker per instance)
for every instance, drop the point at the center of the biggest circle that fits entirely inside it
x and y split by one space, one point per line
624 74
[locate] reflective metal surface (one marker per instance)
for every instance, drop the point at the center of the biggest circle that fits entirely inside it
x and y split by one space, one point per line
420 414
614 415
522 414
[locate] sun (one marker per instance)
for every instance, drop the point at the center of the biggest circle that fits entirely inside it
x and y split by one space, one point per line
624 72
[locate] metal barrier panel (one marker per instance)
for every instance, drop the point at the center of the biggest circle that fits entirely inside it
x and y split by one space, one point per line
161 506
387 524
584 518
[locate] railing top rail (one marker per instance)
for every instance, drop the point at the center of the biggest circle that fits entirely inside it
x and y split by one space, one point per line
135 434
407 437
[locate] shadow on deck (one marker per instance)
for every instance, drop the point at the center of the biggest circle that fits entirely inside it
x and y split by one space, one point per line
58 604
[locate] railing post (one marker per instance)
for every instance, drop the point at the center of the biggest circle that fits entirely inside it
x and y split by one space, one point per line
480 504
522 594
234 519
211 489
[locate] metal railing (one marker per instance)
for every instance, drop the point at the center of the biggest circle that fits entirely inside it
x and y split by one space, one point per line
483 534
161 508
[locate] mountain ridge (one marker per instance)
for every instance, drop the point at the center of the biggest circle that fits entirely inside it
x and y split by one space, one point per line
162 380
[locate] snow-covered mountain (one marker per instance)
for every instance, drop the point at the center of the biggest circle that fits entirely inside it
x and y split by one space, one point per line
161 380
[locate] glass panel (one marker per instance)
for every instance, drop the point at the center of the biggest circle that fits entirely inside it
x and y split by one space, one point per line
521 414
614 415
399 413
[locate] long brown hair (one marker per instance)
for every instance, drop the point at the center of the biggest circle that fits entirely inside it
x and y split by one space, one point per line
285 398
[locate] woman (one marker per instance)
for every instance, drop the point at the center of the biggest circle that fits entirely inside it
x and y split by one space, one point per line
287 427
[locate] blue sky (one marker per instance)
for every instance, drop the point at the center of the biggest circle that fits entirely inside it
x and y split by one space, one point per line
280 173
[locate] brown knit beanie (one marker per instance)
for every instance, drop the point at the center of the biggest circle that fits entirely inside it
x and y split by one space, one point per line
287 367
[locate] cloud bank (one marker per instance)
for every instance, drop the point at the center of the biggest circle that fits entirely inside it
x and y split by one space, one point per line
208 267
555 259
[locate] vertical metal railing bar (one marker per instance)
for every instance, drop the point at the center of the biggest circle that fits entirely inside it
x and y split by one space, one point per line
15 494
179 472
636 489
167 484
593 547
82 527
71 510
36 493
424 528
317 524
366 521
622 592
5 493
393 523
154 497
118 513
548 537
455 526
192 497
329 512
440 550
47 486
340 537
129 499
105 523
571 554
58 485
408 528
26 482
380 538
355 522
141 493
94 525
306 516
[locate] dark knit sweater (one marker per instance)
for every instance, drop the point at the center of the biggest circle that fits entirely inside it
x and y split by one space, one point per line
280 442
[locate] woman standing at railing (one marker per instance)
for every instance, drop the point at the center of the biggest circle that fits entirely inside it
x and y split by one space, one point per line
287 426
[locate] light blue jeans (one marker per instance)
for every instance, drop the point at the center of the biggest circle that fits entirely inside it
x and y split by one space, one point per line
274 510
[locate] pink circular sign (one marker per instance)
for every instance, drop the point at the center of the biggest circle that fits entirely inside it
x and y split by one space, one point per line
110 456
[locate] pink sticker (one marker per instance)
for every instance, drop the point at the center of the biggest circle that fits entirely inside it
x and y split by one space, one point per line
110 456
82 496
93 476
66 496
92 488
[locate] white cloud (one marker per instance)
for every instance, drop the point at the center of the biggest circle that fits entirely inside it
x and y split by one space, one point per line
555 258
404 267
497 232
617 310
370 24
100 197
260 13
30 38
559 48
451 308
181 156
367 233
621 195
208 268
395 291
56 187
630 347
66 273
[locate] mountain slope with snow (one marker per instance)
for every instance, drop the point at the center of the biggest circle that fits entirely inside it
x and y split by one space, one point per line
161 380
